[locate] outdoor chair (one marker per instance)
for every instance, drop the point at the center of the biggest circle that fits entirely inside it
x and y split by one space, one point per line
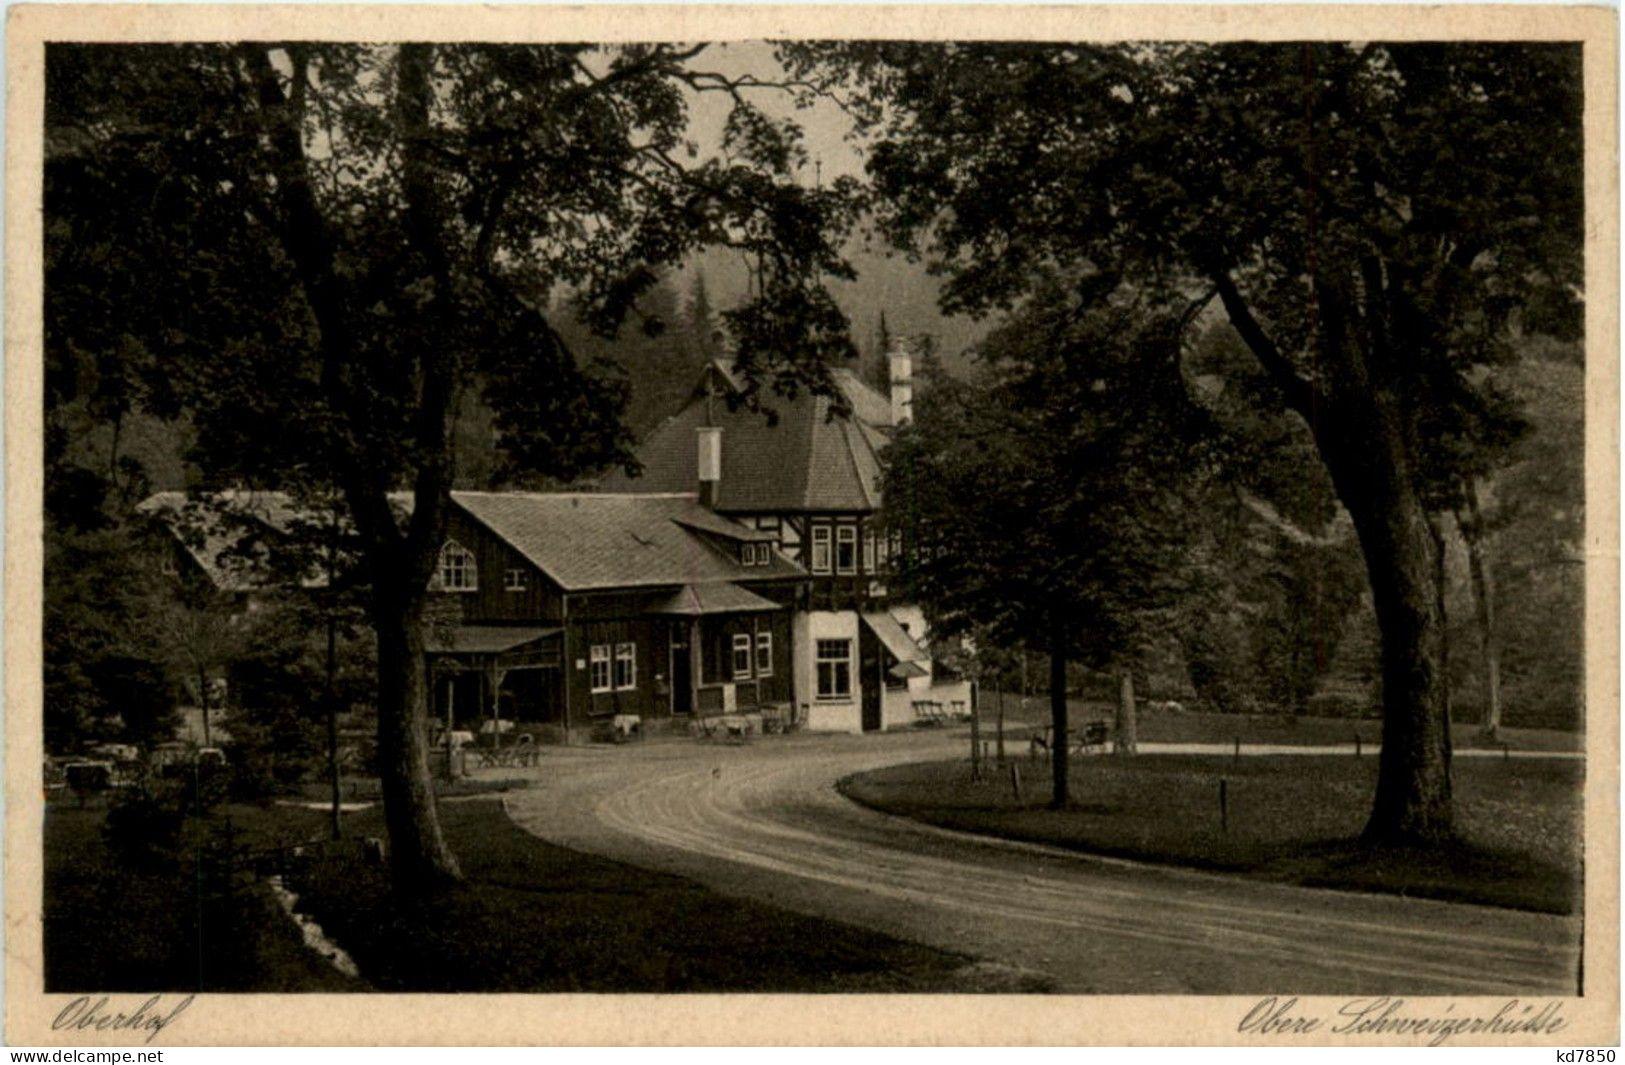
928 712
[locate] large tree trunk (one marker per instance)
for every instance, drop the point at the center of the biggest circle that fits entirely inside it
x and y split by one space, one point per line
1360 429
399 566
420 862
1057 716
1413 801
1472 534
1127 725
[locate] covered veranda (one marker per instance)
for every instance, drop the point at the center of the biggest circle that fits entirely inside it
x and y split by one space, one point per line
484 679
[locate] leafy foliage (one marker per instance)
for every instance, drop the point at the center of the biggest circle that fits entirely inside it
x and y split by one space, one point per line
339 241
1377 220
1044 498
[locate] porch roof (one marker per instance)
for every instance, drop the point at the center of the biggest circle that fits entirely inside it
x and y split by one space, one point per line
713 597
481 639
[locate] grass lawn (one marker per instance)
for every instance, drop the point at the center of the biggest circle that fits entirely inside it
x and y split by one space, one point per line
111 927
535 917
1158 726
1291 818
368 789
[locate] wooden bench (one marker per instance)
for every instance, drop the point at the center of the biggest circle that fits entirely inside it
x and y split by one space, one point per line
929 712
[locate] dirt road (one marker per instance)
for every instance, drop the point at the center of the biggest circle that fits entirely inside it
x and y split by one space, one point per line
764 820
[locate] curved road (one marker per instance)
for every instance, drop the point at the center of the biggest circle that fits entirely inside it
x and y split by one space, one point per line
764 821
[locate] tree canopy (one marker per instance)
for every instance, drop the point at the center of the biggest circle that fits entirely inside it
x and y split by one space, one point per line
1377 221
314 250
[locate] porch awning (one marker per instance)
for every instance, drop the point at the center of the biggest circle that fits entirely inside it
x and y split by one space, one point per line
481 639
718 597
895 639
905 670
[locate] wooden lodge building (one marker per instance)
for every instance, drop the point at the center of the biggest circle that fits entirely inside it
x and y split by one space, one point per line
572 610
558 611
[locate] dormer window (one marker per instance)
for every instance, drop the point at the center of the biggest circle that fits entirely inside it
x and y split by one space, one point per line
753 554
458 571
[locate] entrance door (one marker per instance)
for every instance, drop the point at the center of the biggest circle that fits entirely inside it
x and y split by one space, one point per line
871 679
681 672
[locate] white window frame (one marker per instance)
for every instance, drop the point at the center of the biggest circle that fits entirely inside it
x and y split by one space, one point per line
625 654
513 579
828 693
846 536
764 654
822 543
868 551
599 658
470 567
741 646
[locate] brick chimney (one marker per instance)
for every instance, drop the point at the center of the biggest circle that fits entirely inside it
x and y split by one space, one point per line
709 438
902 382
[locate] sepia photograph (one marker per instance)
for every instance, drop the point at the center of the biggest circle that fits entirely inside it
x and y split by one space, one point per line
763 504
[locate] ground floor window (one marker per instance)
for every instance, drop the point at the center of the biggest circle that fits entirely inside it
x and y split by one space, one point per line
626 666
764 654
741 656
834 669
600 667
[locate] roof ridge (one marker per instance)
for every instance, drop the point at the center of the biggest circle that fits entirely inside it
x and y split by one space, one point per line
847 431
803 491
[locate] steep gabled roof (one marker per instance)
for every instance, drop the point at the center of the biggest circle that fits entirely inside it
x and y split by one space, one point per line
581 541
215 530
589 541
806 460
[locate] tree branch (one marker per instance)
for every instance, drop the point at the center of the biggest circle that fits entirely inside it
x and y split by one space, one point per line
1299 391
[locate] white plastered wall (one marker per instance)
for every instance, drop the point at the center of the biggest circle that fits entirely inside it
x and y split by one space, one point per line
827 716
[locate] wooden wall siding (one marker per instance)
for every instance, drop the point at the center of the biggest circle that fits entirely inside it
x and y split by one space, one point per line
541 600
649 698
614 605
716 662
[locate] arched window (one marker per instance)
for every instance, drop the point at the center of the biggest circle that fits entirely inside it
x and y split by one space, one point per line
458 571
